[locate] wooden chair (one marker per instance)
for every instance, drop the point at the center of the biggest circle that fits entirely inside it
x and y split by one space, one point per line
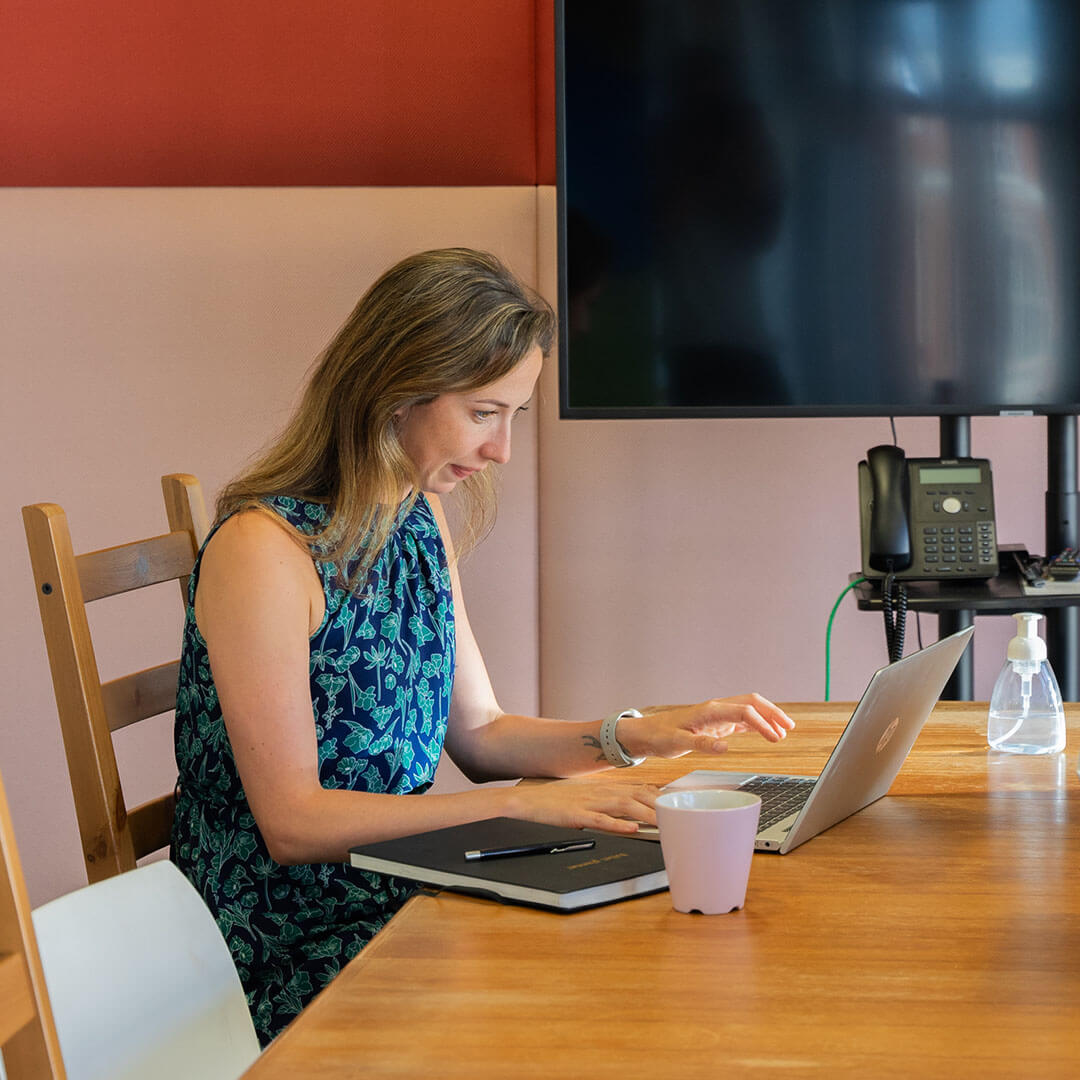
28 1038
128 977
113 837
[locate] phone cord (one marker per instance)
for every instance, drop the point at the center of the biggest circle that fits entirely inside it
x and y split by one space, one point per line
895 618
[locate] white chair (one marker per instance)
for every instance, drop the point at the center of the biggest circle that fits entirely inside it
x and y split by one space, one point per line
141 981
137 977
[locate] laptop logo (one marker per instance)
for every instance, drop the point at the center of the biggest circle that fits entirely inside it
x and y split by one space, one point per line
887 734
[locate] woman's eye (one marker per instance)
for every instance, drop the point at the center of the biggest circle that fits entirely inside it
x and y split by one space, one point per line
482 414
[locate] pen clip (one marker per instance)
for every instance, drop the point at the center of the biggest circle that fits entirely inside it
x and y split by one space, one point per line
577 845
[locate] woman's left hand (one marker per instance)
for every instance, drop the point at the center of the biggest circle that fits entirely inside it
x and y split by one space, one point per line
673 730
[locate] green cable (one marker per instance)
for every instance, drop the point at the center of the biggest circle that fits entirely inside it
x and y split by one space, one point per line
828 629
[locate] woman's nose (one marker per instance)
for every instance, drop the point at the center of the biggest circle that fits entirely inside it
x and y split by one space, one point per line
497 448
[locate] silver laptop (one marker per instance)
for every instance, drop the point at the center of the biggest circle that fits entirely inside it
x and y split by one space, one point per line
865 761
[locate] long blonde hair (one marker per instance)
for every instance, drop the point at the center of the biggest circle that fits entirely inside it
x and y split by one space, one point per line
446 321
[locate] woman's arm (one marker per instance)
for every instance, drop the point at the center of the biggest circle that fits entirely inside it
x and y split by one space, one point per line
488 744
258 601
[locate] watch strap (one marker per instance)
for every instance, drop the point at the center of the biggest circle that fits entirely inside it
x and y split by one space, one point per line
613 750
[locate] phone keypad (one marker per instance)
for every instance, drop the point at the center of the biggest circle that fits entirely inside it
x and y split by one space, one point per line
960 549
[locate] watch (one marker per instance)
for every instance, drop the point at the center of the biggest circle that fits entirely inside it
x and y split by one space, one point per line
610 745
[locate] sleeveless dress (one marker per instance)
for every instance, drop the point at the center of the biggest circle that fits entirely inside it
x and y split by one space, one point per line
382 664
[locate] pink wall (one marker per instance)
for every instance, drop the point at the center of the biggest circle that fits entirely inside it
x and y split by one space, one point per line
167 330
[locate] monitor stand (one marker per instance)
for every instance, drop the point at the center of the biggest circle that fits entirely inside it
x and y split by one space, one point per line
954 433
1062 531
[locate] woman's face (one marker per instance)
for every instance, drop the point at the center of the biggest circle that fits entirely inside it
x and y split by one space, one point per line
458 434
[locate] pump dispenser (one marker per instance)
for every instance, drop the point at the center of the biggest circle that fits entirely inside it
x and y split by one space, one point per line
1026 716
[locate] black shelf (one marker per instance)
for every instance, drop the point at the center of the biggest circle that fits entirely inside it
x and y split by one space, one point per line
1001 595
956 604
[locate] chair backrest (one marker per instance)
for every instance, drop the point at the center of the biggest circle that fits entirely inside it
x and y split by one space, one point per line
141 981
113 837
28 1038
127 978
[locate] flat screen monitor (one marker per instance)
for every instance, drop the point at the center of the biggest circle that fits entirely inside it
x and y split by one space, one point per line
818 207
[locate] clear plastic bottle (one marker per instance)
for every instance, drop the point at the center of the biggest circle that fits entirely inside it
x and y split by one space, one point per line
1026 716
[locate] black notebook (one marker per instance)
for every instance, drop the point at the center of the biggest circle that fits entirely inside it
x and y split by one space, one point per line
615 868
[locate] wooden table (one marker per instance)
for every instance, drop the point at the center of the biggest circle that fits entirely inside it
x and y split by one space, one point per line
936 933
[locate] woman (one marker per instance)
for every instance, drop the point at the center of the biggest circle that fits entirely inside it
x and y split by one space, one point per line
327 656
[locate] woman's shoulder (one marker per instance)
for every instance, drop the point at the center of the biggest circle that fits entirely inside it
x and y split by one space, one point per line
254 534
273 523
253 562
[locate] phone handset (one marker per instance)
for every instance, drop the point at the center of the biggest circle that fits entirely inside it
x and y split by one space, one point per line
890 531
890 536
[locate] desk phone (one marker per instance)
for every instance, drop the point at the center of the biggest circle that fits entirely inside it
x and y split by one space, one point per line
926 518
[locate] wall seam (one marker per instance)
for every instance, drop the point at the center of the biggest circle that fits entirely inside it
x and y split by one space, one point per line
540 442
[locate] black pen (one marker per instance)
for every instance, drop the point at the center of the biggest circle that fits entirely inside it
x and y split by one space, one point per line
552 847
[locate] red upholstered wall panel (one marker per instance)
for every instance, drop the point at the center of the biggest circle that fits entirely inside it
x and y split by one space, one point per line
545 91
275 92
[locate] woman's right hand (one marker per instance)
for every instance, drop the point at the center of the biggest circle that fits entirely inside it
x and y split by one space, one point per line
585 804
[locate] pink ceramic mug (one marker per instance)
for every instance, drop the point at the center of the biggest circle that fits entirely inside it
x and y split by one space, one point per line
708 842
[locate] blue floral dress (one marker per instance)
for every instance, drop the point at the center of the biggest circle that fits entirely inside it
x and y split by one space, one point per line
382 664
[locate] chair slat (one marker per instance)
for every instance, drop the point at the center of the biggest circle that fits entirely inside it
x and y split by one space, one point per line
139 696
151 824
16 996
131 566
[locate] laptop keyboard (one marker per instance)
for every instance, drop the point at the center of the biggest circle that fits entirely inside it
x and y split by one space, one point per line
781 796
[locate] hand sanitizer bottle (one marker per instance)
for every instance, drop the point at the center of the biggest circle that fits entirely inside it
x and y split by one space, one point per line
1026 716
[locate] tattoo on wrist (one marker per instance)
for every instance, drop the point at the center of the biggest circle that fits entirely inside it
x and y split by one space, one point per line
594 742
